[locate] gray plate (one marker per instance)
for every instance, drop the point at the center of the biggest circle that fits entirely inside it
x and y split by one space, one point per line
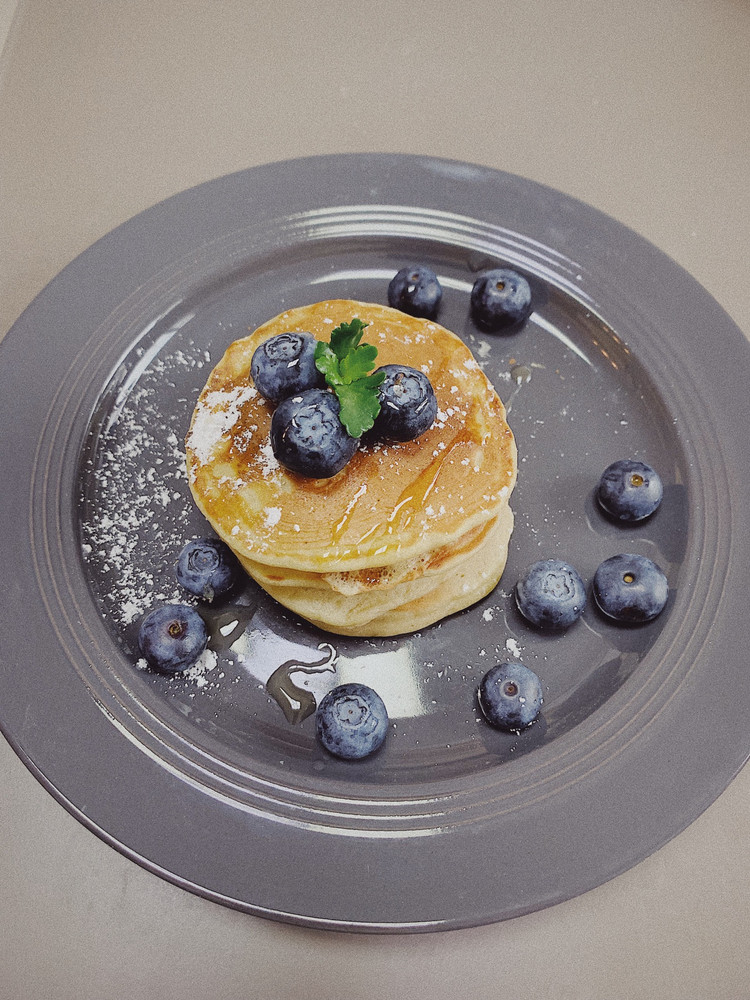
214 780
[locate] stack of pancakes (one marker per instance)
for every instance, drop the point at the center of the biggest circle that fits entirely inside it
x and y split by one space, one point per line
407 533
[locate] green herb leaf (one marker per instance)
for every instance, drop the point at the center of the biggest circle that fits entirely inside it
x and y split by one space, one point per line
327 363
347 367
358 408
358 363
346 337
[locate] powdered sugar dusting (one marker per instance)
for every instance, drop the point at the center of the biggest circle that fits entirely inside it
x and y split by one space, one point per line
215 416
513 648
271 517
135 504
268 462
199 671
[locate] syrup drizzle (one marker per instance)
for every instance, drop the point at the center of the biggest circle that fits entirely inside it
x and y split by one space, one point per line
343 524
411 500
296 702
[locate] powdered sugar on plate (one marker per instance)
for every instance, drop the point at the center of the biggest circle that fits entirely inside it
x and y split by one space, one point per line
135 504
200 670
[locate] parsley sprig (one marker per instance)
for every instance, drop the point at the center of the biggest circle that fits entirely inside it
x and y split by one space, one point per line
347 366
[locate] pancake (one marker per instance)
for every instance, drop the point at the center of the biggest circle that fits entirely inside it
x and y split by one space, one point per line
409 606
398 513
375 577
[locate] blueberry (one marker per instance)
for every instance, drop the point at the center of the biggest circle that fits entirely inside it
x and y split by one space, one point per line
510 695
408 405
500 299
630 490
284 365
208 568
351 721
415 290
307 436
551 594
630 588
172 637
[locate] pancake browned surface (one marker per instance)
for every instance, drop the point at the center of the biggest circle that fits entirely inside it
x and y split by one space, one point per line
396 512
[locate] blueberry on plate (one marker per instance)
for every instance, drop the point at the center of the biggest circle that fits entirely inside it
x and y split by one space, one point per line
415 290
500 299
551 594
307 436
630 490
408 405
351 721
172 637
284 365
207 568
510 696
630 588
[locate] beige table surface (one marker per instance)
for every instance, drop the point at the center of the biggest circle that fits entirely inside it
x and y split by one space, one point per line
641 109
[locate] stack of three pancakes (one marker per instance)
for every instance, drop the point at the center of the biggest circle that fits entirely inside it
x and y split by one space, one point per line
407 533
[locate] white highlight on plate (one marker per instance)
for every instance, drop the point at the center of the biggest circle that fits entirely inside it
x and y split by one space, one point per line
563 338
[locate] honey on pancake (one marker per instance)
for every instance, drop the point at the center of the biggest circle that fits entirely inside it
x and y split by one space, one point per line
392 501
